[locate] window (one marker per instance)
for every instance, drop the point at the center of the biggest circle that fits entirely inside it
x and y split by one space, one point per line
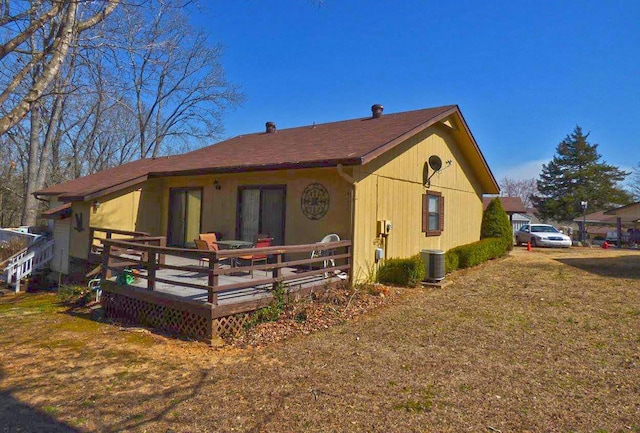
432 213
261 209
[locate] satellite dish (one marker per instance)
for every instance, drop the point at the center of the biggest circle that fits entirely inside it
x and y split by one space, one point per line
435 162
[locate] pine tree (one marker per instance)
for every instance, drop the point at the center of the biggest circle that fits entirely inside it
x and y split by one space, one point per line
577 174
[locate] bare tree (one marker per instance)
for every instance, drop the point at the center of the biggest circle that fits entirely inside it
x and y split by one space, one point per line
97 131
126 88
34 67
175 78
10 186
523 188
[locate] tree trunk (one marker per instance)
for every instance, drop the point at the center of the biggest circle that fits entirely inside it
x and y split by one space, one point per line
30 212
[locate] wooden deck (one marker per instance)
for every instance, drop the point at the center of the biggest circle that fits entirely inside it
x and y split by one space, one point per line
191 292
232 296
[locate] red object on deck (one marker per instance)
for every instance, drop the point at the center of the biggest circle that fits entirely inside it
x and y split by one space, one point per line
606 245
528 246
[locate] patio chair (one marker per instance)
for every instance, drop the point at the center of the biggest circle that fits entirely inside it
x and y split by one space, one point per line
259 236
260 243
202 245
209 244
211 239
94 286
212 242
323 253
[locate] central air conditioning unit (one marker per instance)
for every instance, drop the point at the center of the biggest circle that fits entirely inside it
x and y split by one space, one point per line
433 265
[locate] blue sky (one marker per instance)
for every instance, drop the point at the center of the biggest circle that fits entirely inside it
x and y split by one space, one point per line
524 73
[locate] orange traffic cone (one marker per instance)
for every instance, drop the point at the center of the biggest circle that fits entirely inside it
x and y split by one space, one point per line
528 246
606 245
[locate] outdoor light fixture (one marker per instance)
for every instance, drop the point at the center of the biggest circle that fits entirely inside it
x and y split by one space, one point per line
96 205
584 205
216 184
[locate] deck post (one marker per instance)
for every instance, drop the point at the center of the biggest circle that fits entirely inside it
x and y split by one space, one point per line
277 272
349 262
151 270
162 244
106 261
214 265
91 234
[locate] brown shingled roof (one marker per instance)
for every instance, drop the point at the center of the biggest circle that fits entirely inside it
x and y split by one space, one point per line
349 142
57 212
510 204
121 175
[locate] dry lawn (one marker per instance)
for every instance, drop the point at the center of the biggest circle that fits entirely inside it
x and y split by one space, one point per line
547 341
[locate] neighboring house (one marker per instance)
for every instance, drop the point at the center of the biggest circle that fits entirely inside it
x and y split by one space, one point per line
297 185
628 216
518 220
514 208
597 224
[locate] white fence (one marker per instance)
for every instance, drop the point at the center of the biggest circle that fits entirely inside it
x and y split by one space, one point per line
22 264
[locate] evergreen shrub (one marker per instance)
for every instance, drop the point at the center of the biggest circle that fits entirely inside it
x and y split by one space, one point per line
451 261
407 272
474 253
495 224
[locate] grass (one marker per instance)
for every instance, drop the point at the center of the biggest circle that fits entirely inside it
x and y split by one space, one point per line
538 341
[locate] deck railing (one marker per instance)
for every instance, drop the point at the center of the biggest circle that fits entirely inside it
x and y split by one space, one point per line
96 234
139 252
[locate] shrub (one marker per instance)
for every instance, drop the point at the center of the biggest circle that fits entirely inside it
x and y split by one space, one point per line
451 261
495 223
272 312
402 272
474 253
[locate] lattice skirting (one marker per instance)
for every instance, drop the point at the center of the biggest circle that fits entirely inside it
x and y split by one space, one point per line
191 324
230 325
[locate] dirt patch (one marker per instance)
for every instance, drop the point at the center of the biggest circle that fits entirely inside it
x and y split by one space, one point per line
525 343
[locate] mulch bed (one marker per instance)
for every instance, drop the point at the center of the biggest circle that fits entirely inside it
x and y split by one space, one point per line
323 310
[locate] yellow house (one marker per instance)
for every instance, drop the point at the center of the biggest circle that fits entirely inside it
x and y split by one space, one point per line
393 184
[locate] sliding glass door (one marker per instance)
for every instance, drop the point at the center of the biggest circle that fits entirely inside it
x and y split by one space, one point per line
185 213
261 209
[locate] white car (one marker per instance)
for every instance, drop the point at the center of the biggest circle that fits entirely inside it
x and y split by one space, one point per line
542 235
